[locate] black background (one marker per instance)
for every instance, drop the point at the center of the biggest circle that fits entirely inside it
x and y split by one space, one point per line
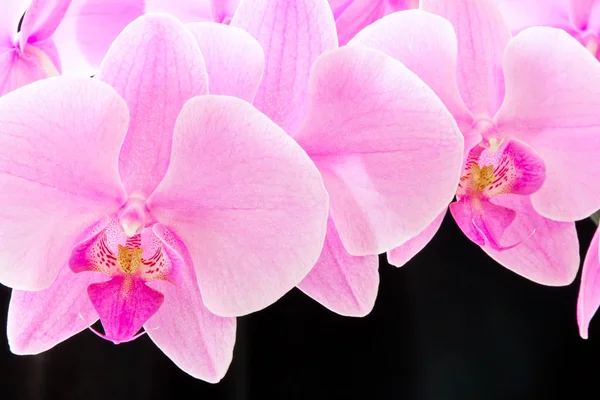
450 325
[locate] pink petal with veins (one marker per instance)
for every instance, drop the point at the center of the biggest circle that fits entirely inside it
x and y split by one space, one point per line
156 66
293 34
50 196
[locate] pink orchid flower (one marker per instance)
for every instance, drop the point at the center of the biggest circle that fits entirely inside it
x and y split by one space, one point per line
529 114
31 54
128 199
579 18
389 151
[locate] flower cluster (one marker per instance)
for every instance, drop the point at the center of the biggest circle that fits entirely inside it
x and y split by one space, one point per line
169 165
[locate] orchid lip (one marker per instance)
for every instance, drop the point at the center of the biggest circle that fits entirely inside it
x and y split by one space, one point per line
117 340
494 244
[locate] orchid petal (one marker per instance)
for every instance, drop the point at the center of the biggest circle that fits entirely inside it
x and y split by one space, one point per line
549 257
38 321
293 34
523 14
234 60
199 342
59 145
579 12
482 36
246 201
156 66
389 151
431 56
589 291
124 304
343 283
89 28
41 20
18 69
11 14
405 252
559 120
357 15
223 10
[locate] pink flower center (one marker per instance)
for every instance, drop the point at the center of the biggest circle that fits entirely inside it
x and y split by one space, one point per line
495 168
125 302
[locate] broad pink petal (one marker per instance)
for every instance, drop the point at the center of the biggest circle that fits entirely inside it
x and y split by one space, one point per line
589 291
199 342
579 12
246 201
552 102
59 145
124 304
343 283
89 28
431 55
234 60
389 151
156 66
41 20
482 36
293 34
549 257
38 321
18 69
11 14
405 252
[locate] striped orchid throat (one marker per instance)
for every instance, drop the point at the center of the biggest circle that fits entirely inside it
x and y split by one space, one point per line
495 169
131 255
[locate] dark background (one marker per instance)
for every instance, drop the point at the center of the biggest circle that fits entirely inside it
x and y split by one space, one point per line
450 325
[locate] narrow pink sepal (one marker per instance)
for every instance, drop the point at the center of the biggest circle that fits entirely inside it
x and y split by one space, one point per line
293 34
589 289
343 283
196 340
482 37
11 14
41 20
406 251
38 321
156 66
